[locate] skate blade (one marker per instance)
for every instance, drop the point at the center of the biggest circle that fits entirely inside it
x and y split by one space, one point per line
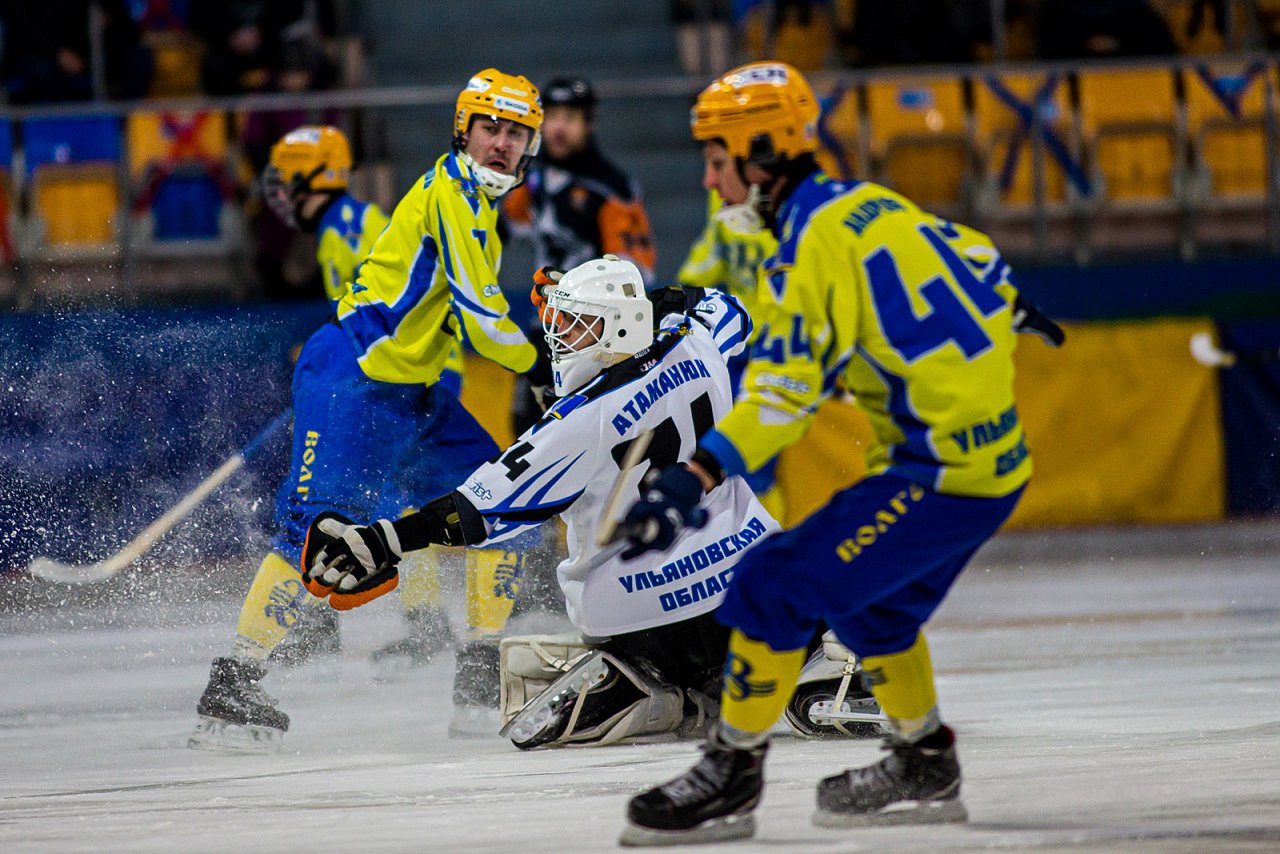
903 813
473 722
535 718
219 736
724 829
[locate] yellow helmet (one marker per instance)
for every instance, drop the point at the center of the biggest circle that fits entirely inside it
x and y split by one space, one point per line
320 154
500 96
311 159
762 112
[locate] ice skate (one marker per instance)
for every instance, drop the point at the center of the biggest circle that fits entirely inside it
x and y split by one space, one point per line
428 635
476 692
314 635
712 802
830 700
236 715
915 784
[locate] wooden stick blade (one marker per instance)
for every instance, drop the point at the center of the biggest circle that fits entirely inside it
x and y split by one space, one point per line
609 520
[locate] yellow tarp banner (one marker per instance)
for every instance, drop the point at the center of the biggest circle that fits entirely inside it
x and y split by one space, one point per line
1123 426
1122 423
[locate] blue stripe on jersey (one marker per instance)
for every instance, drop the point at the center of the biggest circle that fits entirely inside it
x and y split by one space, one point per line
449 273
470 190
509 503
725 453
913 458
369 324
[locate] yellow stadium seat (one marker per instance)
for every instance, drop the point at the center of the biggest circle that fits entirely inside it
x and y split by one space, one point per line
1002 136
804 44
77 202
1225 126
1129 121
841 141
917 135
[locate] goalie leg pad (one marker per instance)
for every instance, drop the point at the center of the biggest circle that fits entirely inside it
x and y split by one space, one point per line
600 700
528 664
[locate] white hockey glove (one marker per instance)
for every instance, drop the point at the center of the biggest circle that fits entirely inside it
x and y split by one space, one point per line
348 563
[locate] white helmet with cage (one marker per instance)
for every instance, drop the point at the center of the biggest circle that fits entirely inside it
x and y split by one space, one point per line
595 315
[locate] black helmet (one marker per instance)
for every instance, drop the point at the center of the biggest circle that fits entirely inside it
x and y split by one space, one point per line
570 92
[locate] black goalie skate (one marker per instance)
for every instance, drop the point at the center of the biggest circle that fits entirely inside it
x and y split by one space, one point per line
712 802
236 715
914 784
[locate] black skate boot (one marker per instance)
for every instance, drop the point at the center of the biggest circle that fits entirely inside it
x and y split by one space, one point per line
915 784
315 635
428 635
712 802
476 691
236 715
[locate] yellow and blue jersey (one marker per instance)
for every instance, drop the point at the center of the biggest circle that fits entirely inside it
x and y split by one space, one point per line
912 313
431 274
344 237
725 259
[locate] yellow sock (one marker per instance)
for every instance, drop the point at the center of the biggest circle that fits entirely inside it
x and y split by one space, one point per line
903 686
758 682
420 579
493 583
276 600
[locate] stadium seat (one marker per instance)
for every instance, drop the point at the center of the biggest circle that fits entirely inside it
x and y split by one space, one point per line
918 141
1225 127
177 57
1129 122
841 152
1003 139
177 166
72 168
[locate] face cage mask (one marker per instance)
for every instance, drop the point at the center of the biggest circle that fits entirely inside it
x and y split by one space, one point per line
578 350
285 198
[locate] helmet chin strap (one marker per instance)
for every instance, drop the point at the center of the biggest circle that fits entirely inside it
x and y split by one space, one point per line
492 183
744 217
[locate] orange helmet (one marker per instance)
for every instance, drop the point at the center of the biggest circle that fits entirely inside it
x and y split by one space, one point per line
311 159
762 112
500 96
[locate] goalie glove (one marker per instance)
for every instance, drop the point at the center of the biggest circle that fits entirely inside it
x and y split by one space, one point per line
348 563
1028 318
668 506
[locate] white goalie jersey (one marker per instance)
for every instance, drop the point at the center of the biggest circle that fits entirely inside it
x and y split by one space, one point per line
567 463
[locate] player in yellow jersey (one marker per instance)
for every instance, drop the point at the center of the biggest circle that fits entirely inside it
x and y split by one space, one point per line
373 422
306 185
916 316
727 257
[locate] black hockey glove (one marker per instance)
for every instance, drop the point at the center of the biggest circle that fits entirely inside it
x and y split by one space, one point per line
350 564
1028 318
541 377
673 299
668 506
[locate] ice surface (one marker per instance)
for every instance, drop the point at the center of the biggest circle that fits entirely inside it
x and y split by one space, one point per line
1102 705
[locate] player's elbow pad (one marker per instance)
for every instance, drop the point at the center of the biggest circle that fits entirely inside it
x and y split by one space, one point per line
450 520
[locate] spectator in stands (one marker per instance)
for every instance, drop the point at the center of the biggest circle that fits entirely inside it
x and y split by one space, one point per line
1071 29
915 32
702 35
575 204
48 54
248 40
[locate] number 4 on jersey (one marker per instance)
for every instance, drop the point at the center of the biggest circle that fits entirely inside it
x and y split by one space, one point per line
949 319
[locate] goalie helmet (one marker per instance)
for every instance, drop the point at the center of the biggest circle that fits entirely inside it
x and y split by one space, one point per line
311 159
763 112
595 314
495 95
